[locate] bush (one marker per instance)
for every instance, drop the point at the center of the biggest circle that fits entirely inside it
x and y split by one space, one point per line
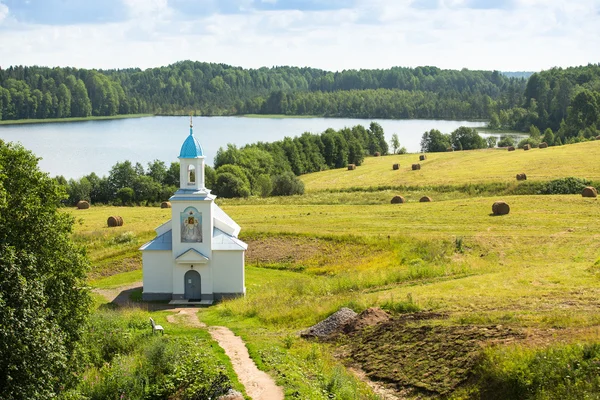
506 141
125 196
530 141
287 184
568 185
229 185
264 185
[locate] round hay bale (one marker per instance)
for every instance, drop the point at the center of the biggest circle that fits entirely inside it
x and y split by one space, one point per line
416 167
351 167
422 157
396 167
398 200
425 199
500 208
83 205
165 204
450 148
543 145
589 191
114 220
377 154
521 177
598 137
511 148
527 147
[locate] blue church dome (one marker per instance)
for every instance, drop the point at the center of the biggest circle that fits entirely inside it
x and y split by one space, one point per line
191 148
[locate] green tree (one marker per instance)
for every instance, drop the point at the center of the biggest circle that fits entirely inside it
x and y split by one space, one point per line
548 137
395 143
534 132
287 184
434 141
491 141
494 122
465 138
43 303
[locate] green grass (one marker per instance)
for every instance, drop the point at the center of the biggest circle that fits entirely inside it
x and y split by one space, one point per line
465 167
536 269
72 119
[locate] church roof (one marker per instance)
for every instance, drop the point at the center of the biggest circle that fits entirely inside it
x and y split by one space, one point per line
220 241
191 147
162 242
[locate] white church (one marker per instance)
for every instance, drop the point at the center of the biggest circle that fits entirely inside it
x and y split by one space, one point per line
196 256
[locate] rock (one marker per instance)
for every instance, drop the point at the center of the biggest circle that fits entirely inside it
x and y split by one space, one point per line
332 324
231 395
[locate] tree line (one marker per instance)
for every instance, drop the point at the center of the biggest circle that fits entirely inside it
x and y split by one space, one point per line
566 101
261 169
218 89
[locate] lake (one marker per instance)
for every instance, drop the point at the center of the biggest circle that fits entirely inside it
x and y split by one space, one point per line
75 149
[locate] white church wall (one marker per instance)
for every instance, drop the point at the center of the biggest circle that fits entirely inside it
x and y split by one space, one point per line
157 272
228 272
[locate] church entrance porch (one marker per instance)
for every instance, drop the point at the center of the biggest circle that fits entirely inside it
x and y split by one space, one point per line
192 284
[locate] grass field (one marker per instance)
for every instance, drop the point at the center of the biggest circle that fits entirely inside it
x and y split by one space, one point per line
73 119
532 277
466 167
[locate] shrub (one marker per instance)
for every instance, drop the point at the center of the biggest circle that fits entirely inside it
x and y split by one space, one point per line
287 184
229 185
568 185
264 185
530 141
506 141
125 196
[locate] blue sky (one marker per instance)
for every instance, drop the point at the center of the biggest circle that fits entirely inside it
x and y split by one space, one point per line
509 35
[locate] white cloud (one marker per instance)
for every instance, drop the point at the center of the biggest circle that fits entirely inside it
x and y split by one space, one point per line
3 12
530 35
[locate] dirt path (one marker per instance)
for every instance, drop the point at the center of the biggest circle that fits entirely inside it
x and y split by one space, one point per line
259 385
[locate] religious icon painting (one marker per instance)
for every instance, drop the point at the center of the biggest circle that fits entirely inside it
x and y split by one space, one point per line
191 226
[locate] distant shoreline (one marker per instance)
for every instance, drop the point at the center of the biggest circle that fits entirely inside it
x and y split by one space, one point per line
72 119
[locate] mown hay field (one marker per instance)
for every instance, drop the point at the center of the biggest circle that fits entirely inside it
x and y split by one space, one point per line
463 167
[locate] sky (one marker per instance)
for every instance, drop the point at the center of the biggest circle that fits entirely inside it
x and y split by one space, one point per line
505 35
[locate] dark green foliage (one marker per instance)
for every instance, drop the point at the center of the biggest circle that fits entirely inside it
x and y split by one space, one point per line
287 184
548 137
491 141
465 138
231 182
218 89
125 196
530 141
506 141
434 141
568 185
565 372
43 306
564 100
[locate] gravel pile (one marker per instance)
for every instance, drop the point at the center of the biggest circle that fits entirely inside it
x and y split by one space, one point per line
330 325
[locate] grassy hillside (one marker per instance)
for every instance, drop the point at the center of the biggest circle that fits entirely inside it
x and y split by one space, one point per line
457 168
528 281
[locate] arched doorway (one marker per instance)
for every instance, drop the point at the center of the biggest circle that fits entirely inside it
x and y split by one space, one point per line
193 289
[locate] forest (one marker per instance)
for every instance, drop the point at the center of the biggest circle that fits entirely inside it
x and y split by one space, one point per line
217 89
564 100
